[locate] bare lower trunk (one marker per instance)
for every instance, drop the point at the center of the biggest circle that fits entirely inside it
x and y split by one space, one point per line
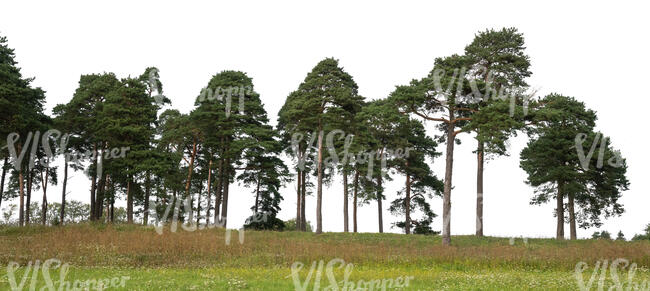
479 189
21 211
345 201
93 185
190 169
572 217
44 180
319 193
303 202
298 202
379 206
209 196
560 213
2 182
257 194
65 184
129 202
354 200
147 192
28 204
407 203
446 199
218 194
224 207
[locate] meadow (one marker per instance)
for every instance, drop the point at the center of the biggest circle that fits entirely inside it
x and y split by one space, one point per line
201 260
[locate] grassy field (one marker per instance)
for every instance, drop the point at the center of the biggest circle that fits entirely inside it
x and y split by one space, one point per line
138 258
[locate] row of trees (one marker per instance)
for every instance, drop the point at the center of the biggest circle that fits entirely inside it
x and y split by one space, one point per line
327 128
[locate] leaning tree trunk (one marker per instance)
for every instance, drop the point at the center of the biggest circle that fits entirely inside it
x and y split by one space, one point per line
319 193
303 202
407 203
354 200
446 199
479 189
572 217
345 201
65 184
2 182
560 212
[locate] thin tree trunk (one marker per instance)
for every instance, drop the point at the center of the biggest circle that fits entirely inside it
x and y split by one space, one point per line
298 198
446 203
379 206
2 182
44 202
560 212
147 192
257 193
218 194
407 202
113 202
198 203
319 193
224 207
30 184
129 202
65 184
93 185
345 201
21 212
303 202
572 217
207 215
189 172
479 189
102 195
354 201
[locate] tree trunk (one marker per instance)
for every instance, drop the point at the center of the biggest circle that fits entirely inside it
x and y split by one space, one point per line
479 189
147 192
218 194
113 202
298 198
198 203
28 206
129 202
379 206
21 211
224 207
345 201
560 212
65 184
93 185
303 202
319 193
446 199
354 201
407 203
257 193
572 217
207 213
44 202
190 170
2 182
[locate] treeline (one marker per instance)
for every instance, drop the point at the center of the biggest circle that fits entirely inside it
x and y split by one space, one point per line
116 132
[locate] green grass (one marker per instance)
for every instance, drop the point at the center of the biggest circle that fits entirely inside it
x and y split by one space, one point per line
200 260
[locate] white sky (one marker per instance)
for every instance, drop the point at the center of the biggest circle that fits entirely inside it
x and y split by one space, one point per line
596 53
